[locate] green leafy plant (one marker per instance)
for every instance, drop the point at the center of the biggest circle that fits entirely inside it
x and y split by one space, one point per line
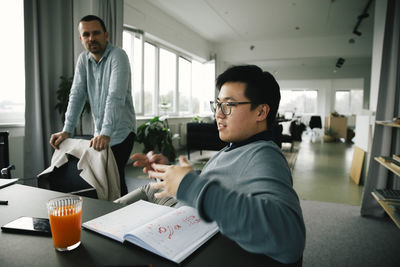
196 119
330 132
156 135
64 88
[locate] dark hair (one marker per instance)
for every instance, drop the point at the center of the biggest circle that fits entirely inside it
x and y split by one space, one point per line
93 17
261 87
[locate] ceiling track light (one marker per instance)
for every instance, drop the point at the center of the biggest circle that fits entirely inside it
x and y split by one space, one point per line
360 18
340 62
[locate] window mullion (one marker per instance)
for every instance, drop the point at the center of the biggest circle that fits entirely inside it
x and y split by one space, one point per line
176 92
156 96
142 75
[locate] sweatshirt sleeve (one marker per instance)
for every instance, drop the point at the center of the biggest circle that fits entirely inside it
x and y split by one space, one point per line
261 221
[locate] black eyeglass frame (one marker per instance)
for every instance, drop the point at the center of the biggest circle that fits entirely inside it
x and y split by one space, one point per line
214 105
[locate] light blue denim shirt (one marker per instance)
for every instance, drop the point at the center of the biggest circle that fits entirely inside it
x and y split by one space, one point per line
107 84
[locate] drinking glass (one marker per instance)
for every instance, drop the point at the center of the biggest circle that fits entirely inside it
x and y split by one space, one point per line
65 214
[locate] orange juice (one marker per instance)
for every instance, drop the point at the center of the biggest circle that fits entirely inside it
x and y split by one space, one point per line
66 227
65 215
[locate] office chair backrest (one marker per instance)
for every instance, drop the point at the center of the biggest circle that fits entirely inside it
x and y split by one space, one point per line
315 122
66 179
4 153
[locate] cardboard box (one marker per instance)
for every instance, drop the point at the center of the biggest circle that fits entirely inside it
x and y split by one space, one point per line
338 126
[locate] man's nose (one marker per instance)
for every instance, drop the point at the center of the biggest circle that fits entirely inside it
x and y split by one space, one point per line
219 113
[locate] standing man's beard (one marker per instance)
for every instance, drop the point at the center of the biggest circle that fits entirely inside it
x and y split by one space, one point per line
94 47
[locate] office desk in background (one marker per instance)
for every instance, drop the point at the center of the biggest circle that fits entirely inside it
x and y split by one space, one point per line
95 249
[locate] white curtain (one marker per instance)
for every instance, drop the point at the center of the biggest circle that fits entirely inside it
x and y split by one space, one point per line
112 13
48 55
386 140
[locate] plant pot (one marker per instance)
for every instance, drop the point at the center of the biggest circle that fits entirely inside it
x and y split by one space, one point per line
328 138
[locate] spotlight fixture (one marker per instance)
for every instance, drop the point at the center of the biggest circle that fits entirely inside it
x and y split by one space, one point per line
340 62
364 15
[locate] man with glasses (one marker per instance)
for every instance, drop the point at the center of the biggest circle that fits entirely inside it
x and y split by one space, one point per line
247 186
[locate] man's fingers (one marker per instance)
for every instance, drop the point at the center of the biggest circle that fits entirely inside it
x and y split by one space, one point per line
161 194
158 185
183 161
138 156
156 175
160 167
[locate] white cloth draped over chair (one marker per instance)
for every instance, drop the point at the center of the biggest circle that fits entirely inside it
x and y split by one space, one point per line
99 168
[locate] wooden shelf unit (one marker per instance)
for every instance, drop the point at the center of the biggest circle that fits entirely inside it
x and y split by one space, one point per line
391 166
388 123
388 205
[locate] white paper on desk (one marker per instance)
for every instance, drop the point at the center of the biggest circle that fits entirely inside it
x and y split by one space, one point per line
174 235
117 223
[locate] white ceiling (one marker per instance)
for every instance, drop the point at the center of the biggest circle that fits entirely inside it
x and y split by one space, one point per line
226 22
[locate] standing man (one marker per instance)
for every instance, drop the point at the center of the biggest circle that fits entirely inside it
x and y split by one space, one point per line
103 76
246 187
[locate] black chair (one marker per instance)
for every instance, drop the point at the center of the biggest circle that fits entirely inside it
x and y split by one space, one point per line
280 138
296 129
5 166
315 122
66 179
203 136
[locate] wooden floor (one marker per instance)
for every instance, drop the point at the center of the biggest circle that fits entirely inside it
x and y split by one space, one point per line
322 172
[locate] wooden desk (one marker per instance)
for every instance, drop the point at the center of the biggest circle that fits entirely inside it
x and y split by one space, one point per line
95 249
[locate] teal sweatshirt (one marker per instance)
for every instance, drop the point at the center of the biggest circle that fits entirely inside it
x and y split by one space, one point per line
247 190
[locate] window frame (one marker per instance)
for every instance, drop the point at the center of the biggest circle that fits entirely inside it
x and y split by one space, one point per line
156 111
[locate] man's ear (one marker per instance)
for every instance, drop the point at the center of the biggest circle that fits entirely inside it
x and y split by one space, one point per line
263 111
106 36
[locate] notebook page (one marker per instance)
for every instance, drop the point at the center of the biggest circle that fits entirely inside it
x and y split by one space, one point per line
174 235
117 223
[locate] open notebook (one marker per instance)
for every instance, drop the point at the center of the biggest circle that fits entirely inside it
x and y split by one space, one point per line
168 232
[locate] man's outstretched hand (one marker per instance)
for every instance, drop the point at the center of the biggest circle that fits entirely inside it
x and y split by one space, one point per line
145 161
170 176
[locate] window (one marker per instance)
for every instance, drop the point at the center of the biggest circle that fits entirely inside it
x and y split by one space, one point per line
299 102
349 102
166 82
12 71
149 78
203 86
184 83
133 44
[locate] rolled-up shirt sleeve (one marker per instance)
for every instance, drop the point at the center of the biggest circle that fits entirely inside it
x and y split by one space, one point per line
119 83
77 96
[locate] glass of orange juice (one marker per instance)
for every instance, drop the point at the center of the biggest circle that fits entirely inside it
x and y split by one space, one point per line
65 214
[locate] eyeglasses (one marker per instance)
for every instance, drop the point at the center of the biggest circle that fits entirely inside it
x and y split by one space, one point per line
226 107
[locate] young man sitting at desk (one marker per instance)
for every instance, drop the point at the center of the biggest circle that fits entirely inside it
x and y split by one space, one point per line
247 186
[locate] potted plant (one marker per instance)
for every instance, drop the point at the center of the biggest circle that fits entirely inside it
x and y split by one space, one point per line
63 91
329 136
156 135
